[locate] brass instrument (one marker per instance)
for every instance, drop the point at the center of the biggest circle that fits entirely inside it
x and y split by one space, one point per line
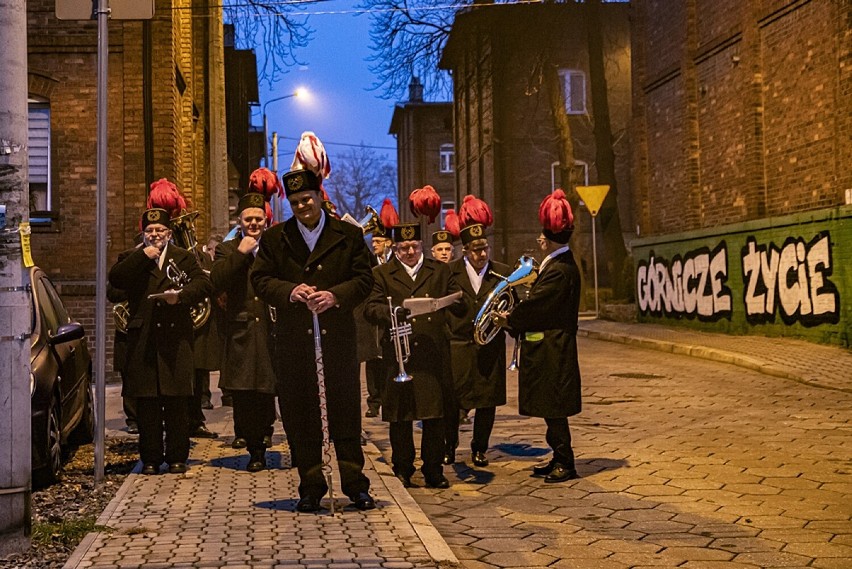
399 334
503 299
183 231
201 311
368 224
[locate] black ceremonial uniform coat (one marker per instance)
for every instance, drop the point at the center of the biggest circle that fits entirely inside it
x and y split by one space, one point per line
159 336
207 349
549 375
340 263
429 364
479 372
246 361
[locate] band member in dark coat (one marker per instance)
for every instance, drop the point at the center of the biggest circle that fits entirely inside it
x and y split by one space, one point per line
313 262
247 367
159 370
546 322
206 349
374 367
410 274
479 372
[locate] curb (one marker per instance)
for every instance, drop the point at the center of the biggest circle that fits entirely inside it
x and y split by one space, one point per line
706 353
83 547
434 542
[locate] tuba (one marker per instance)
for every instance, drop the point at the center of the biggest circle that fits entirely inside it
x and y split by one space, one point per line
503 299
368 224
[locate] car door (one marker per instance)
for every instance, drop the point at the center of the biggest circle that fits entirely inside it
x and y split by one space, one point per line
53 316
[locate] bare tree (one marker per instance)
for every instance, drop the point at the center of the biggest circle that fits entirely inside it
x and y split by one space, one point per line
361 177
279 27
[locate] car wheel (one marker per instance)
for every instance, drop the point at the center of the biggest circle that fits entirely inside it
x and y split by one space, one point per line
84 432
53 447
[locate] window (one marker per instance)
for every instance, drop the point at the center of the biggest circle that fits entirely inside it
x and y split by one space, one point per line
38 140
448 159
574 91
445 207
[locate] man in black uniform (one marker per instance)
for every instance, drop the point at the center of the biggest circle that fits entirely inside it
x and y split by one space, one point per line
315 263
479 372
546 323
247 369
374 369
159 366
410 274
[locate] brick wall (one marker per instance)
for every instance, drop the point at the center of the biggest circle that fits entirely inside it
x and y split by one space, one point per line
741 110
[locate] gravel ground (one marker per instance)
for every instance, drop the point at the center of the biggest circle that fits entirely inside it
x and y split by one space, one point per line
65 512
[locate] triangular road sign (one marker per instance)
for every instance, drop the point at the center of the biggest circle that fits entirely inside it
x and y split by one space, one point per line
593 197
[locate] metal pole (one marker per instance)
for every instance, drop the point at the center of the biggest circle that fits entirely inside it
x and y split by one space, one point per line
101 242
595 259
277 213
265 142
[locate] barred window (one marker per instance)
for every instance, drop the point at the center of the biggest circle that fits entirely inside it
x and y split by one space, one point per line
448 158
38 141
574 91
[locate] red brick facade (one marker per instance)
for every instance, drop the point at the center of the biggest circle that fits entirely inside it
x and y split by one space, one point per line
63 70
742 110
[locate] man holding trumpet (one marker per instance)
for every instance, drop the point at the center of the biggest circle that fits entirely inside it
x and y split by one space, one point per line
315 264
161 282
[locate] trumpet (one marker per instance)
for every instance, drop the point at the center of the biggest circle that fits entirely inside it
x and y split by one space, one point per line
399 334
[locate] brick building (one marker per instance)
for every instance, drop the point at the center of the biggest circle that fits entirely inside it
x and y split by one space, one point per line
166 119
741 118
506 141
425 152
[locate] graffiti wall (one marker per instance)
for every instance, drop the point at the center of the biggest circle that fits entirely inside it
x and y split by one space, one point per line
787 276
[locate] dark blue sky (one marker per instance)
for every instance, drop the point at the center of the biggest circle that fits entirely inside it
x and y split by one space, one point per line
341 107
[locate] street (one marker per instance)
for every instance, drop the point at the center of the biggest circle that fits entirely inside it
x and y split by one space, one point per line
684 462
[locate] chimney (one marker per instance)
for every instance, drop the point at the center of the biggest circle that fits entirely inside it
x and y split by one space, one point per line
415 91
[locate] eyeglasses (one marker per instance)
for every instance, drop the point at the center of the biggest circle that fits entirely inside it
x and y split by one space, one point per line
414 247
152 231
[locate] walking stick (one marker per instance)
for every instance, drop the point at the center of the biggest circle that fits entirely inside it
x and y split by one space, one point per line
323 405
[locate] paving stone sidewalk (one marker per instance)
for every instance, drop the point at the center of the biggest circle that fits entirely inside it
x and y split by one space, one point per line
798 360
220 515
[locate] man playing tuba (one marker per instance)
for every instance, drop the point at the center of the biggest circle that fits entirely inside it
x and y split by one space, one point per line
159 364
546 324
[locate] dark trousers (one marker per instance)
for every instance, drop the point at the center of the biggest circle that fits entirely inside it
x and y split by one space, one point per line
559 438
431 447
196 413
483 424
254 415
375 372
307 456
153 413
129 404
450 421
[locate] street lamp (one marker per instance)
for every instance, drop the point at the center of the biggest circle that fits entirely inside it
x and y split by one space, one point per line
300 92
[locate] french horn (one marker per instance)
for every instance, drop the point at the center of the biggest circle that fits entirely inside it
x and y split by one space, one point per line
503 298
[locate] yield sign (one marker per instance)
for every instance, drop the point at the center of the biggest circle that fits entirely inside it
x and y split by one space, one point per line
593 197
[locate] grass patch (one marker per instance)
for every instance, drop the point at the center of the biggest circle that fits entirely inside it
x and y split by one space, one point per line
69 532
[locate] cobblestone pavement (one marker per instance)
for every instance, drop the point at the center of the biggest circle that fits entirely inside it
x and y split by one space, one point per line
220 515
685 462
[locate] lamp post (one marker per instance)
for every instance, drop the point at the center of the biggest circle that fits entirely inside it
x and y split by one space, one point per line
300 92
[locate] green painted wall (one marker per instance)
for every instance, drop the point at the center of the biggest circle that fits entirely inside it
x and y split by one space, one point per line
780 276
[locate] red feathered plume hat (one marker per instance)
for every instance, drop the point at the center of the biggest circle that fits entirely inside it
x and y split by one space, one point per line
266 183
556 217
388 215
451 223
165 195
474 210
425 201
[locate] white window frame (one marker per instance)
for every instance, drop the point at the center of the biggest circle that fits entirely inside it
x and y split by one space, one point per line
447 159
445 207
40 159
574 91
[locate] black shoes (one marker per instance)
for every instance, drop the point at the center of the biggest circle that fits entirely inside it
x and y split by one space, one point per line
479 459
449 457
177 468
132 428
257 461
364 502
308 504
542 470
239 442
438 482
560 473
406 480
206 403
150 469
267 441
372 412
202 432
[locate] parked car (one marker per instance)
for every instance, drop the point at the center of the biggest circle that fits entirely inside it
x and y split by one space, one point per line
60 382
